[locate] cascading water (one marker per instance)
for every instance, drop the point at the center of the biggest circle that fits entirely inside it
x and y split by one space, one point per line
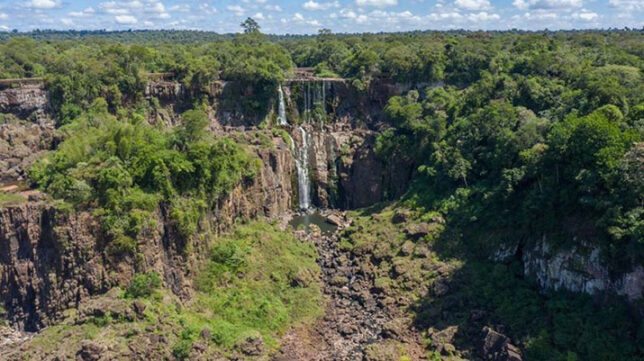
281 108
302 164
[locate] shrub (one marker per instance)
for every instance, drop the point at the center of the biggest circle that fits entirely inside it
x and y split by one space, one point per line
143 285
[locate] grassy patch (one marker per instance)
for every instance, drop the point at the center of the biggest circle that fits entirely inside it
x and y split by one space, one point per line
10 199
259 280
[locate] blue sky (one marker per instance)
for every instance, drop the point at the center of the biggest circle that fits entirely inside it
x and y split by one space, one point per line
307 16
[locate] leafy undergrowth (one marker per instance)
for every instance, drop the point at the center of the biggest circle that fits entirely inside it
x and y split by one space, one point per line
258 282
419 262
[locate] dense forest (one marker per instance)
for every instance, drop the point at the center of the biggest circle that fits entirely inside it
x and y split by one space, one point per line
512 136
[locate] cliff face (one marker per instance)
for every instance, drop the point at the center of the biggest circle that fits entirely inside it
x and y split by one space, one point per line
51 261
579 269
345 171
26 129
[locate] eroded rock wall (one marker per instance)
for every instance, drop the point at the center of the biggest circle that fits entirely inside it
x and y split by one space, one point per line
52 260
26 129
579 269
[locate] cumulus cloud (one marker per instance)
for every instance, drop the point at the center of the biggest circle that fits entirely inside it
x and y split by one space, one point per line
547 4
314 5
585 15
184 8
236 9
472 4
269 7
3 16
627 4
540 15
377 3
451 15
483 16
301 19
43 4
83 13
125 19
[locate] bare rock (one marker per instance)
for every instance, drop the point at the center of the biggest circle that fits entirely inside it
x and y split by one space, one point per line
90 351
251 346
497 347
443 340
139 308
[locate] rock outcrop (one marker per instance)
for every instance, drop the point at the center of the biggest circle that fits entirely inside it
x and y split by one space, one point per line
579 269
345 171
26 129
25 101
52 260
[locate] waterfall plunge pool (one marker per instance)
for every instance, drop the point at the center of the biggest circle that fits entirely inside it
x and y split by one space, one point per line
304 221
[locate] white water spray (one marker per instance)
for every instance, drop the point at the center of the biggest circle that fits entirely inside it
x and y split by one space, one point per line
281 108
302 164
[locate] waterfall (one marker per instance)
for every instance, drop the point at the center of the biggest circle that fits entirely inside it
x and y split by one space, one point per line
281 107
302 164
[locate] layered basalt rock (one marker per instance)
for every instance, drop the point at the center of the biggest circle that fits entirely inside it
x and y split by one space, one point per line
26 129
25 101
52 260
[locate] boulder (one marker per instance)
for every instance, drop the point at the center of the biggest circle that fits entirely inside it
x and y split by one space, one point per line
90 351
497 347
335 220
251 346
443 339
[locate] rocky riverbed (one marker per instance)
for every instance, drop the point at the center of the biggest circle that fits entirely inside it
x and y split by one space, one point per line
359 322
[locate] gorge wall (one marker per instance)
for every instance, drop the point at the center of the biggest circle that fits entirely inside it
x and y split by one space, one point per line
51 260
26 129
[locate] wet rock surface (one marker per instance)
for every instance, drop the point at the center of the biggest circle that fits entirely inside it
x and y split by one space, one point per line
359 322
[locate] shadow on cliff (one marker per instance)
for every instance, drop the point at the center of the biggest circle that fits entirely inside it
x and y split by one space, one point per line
480 308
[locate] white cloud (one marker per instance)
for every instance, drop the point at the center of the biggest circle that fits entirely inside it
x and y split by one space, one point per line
125 19
83 13
273 8
472 4
299 18
236 9
4 27
377 3
314 5
627 4
259 16
158 8
4 16
540 15
547 4
206 8
482 16
184 8
43 4
348 14
453 15
585 15
67 21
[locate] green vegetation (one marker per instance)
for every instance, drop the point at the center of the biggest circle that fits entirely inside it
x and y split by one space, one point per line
7 199
125 170
143 285
513 137
258 281
555 326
